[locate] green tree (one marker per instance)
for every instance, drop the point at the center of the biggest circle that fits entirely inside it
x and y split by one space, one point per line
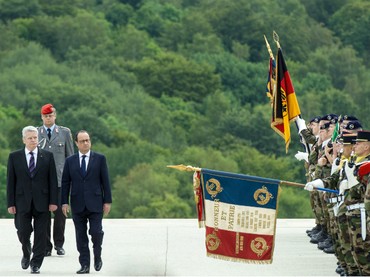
322 11
58 7
350 23
133 44
241 78
153 16
144 193
11 9
173 75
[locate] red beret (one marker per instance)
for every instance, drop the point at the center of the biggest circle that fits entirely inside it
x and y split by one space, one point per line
46 109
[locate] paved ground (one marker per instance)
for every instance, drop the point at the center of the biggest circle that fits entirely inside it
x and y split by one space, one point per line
171 247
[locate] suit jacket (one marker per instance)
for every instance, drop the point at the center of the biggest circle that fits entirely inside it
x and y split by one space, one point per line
91 191
22 188
60 144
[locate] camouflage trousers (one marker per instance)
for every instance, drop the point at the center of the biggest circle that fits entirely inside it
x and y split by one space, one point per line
317 207
361 248
344 246
312 203
325 212
334 231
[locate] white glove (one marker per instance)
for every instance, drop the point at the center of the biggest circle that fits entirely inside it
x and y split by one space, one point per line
301 124
308 186
334 166
318 183
343 186
301 156
352 180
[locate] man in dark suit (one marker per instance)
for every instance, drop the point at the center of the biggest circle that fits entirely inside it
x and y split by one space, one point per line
58 140
32 192
85 183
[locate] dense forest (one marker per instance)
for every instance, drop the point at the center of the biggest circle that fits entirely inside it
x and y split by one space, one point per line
160 82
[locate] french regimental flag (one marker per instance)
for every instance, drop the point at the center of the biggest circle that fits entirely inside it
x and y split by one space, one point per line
240 216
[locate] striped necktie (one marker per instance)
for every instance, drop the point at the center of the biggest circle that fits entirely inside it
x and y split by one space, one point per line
31 165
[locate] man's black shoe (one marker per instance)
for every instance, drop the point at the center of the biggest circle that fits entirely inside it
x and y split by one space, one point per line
35 270
60 251
47 253
25 262
84 269
98 264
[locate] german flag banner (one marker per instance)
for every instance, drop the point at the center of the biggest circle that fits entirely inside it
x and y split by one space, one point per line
240 216
285 104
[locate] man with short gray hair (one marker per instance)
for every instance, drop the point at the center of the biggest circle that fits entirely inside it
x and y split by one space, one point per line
32 192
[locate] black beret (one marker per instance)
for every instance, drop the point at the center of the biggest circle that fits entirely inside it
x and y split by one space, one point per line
353 125
315 119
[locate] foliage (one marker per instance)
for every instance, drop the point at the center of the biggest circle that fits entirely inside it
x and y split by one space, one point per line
159 82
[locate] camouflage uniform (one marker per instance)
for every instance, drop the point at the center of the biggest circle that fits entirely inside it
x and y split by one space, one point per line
365 180
321 172
343 241
310 138
360 247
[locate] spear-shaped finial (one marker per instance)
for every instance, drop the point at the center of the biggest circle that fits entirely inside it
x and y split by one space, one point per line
268 48
276 38
184 167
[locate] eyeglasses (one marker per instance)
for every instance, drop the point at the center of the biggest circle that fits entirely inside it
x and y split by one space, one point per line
84 141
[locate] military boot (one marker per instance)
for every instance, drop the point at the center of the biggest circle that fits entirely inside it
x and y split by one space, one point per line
329 250
325 244
320 236
339 269
314 230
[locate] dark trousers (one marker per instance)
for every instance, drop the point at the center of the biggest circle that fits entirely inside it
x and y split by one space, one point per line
58 229
25 227
80 221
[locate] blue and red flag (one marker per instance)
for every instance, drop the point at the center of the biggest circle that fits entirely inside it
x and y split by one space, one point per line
240 216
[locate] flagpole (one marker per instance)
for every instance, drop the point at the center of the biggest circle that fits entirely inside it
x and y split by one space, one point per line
276 39
182 167
269 48
299 185
190 168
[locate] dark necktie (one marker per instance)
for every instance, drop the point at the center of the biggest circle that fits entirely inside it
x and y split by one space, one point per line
49 133
83 166
31 165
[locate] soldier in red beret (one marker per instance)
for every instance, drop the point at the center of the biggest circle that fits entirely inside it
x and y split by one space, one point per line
58 140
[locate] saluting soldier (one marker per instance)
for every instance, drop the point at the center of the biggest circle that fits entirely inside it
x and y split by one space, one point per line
58 140
310 134
338 181
322 170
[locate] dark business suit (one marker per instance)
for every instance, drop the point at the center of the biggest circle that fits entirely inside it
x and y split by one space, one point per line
32 194
87 196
